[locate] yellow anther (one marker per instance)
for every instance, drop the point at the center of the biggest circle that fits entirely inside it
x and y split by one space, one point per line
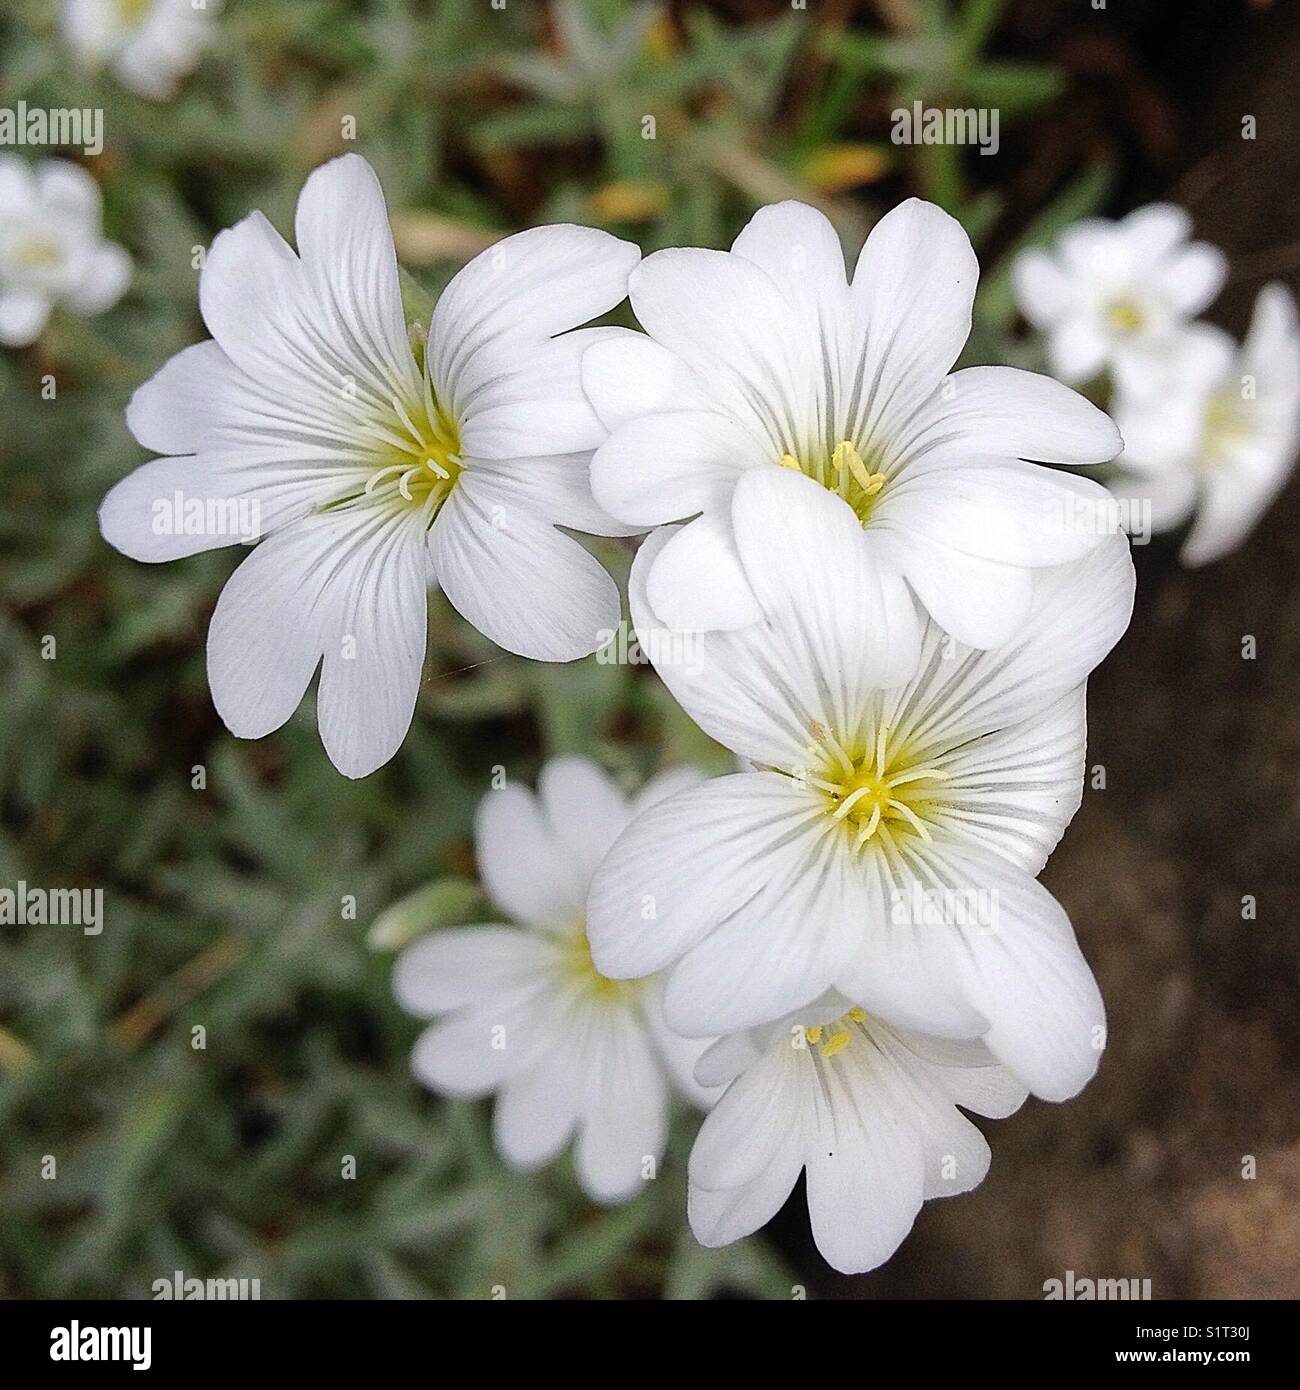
837 1042
874 789
843 472
838 1035
846 456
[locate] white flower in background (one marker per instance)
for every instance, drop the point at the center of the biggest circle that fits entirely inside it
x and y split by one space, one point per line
765 356
372 469
52 251
567 1051
868 1110
1224 443
149 44
1120 295
887 841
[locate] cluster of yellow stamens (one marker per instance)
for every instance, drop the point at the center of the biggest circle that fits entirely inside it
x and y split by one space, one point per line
837 1035
876 792
843 473
424 449
415 448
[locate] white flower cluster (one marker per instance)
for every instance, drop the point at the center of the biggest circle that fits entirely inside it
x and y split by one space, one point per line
51 248
149 45
894 609
51 251
1210 427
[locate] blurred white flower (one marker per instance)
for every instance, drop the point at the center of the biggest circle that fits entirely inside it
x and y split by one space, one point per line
1120 295
766 357
52 251
568 1051
1222 444
149 44
869 1111
887 841
372 469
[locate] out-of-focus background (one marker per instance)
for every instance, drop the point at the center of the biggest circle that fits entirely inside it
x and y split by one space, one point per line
229 906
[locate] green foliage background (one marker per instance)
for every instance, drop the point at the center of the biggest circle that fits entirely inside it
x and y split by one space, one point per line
226 905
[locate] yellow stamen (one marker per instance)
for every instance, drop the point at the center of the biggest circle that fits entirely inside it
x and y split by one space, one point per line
835 1037
416 454
869 829
847 456
909 815
844 473
837 1042
850 801
875 791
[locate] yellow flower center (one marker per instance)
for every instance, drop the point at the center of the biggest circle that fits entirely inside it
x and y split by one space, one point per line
132 13
1224 425
832 1038
876 791
1124 316
415 459
845 473
580 971
34 253
419 460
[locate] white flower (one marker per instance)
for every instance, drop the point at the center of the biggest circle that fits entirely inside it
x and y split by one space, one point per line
528 1016
1222 444
51 248
374 470
886 843
149 44
765 356
1120 294
868 1110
